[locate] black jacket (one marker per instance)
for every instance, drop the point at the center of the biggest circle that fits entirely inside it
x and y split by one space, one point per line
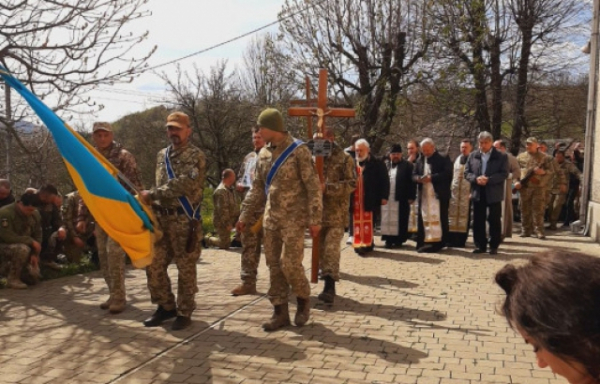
376 183
405 187
496 171
441 174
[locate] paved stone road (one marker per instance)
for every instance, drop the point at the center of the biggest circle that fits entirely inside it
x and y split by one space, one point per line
400 317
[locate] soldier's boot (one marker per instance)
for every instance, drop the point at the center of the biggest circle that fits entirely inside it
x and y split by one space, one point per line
117 306
106 304
328 294
244 289
280 318
303 311
13 280
159 316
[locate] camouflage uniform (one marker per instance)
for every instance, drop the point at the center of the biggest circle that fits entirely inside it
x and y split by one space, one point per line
533 192
293 203
51 222
565 171
189 166
339 173
251 242
70 216
110 254
17 234
225 215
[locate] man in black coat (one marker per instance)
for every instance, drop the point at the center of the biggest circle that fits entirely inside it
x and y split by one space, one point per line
487 170
433 169
376 186
394 215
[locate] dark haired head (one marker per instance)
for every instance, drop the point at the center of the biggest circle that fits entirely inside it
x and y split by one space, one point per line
30 199
555 300
415 142
49 189
255 128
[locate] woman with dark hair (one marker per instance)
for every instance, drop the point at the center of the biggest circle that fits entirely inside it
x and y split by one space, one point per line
554 303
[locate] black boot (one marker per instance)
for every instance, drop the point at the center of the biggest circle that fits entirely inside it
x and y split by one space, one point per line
328 294
280 318
181 322
302 312
159 316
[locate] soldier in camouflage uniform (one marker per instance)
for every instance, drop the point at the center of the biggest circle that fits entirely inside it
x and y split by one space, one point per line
182 234
292 202
566 171
227 211
75 241
110 254
52 234
20 240
339 174
536 172
251 242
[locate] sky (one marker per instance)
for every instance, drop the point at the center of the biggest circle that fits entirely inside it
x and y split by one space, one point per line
179 28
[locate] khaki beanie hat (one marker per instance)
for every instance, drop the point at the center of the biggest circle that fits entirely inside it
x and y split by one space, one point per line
271 119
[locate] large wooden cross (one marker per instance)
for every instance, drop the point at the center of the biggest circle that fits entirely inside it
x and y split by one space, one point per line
320 111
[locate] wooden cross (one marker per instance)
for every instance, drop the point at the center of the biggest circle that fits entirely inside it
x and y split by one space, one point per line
320 111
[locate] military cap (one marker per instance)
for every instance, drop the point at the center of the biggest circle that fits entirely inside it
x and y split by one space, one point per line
102 126
532 140
271 119
178 119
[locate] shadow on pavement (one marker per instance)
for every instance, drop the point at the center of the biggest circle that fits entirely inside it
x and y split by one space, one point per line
377 281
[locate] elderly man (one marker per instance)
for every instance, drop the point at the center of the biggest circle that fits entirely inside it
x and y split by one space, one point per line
433 174
536 173
6 196
372 191
459 212
514 175
487 170
227 211
20 239
394 215
287 185
180 172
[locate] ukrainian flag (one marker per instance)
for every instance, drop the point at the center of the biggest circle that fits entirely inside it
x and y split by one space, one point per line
121 215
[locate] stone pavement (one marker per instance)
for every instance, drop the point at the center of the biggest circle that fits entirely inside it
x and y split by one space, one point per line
400 317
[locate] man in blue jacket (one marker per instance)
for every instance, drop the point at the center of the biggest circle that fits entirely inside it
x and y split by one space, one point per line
487 170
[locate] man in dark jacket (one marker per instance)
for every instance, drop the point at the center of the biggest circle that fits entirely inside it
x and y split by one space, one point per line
487 170
373 189
394 215
433 173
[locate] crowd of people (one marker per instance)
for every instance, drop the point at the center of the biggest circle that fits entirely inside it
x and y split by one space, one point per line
275 196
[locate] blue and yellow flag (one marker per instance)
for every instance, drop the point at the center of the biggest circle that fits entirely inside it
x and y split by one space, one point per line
121 215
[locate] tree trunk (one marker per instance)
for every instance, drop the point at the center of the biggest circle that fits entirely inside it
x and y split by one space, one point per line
522 77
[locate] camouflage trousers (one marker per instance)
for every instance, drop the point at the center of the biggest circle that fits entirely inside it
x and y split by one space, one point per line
14 261
222 240
533 202
330 247
112 264
172 248
557 200
284 251
251 243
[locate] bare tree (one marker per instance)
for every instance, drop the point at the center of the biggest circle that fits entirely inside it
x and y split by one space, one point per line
221 117
62 49
370 48
264 77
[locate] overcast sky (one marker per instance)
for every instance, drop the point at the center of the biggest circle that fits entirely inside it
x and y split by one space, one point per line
179 28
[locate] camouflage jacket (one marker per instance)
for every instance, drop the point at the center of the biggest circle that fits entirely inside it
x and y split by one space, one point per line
16 228
566 171
528 162
124 161
227 207
51 218
339 173
70 214
189 167
245 175
294 196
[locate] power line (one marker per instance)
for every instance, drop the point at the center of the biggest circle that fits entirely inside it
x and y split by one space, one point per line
222 43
